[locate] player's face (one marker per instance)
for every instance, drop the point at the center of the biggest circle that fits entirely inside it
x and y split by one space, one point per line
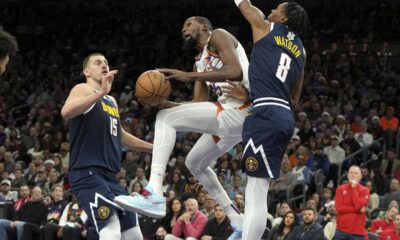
3 64
191 31
97 67
278 14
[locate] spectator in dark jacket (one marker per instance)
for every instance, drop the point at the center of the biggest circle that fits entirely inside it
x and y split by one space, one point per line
31 213
219 227
310 229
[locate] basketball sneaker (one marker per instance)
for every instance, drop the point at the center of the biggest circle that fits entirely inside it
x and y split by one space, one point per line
148 203
236 235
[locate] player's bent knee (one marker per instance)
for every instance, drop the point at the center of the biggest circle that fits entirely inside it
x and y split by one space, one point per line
193 166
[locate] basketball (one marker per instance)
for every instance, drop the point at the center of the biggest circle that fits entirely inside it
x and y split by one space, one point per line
152 88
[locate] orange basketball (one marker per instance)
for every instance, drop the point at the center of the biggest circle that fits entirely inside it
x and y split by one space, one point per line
152 88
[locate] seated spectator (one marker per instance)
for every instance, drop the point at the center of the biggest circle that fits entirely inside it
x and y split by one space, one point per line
209 206
310 229
392 233
192 185
394 194
373 199
33 212
380 225
301 171
286 181
336 156
283 208
318 161
330 221
285 229
71 224
218 227
140 178
190 224
389 124
311 203
6 192
391 164
55 208
24 193
237 187
201 198
160 234
176 183
174 211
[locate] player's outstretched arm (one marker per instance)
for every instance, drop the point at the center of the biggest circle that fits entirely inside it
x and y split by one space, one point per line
255 17
133 142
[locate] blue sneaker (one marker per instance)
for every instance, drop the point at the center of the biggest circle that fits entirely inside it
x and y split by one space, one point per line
148 203
236 235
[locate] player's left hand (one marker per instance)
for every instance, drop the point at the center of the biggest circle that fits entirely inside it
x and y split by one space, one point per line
175 74
236 91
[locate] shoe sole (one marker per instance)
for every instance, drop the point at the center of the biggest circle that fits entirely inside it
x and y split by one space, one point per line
141 210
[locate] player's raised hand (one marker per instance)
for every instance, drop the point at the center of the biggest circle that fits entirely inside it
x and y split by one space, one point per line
175 74
236 91
106 82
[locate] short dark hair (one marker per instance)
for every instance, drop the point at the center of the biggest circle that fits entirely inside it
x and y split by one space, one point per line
8 44
297 17
204 20
86 60
310 209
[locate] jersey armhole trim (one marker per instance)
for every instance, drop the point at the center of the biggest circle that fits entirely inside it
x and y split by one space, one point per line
91 107
271 26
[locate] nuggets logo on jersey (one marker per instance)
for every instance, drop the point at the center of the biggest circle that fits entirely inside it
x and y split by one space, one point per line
251 164
103 212
112 111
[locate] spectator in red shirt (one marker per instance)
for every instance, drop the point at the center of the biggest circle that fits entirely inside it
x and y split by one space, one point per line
351 201
380 225
190 224
24 193
392 233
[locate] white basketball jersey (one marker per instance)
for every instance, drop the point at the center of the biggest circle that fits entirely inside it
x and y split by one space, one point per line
209 61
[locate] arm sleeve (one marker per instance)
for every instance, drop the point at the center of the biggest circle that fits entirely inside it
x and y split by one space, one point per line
177 229
360 197
339 203
208 229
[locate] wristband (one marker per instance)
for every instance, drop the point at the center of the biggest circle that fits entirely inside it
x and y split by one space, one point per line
237 2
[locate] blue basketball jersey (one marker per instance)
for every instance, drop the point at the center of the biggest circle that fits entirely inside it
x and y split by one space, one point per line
95 138
276 64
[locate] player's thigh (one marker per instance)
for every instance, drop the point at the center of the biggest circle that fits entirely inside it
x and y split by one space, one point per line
193 117
231 122
210 147
96 197
266 135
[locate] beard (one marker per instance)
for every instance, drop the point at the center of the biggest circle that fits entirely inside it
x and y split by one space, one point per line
190 46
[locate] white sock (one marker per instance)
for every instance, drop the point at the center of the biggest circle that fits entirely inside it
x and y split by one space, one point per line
112 230
255 213
132 234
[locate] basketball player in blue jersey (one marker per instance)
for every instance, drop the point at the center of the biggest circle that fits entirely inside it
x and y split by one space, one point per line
220 57
96 139
276 73
8 47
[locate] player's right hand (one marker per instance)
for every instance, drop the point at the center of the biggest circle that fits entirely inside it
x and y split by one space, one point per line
236 91
106 82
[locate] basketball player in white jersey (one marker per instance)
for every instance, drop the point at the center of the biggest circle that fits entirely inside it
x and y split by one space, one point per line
220 57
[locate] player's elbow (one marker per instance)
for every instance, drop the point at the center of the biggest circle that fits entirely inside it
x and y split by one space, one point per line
65 113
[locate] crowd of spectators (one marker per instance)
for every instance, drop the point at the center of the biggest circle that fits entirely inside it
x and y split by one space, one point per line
349 104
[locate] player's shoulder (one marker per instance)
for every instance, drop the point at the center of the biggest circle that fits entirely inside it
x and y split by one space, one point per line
220 33
82 88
